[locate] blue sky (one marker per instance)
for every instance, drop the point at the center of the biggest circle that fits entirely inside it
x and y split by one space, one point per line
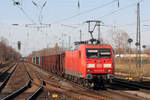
54 13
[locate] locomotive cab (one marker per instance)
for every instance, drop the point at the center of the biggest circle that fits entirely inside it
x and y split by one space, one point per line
99 62
90 63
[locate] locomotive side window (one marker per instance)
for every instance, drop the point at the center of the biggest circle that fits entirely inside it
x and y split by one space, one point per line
105 53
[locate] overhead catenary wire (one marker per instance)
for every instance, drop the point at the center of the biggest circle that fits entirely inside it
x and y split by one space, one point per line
84 12
126 7
108 14
40 18
93 9
26 14
23 11
123 8
33 24
133 23
128 24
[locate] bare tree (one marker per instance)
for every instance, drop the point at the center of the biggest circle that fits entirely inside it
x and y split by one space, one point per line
7 53
119 40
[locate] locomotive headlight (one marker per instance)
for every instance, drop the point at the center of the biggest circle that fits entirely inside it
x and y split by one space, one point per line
107 65
90 65
108 70
89 70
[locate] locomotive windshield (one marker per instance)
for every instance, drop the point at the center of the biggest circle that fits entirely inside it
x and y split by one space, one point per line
105 53
98 53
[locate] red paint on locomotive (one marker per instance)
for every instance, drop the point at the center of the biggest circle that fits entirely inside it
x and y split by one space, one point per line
89 60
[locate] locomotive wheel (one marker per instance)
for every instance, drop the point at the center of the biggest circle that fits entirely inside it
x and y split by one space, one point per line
66 76
86 83
79 81
109 81
99 85
75 80
72 78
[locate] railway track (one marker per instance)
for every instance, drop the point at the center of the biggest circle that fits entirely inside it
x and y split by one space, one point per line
5 69
39 85
6 74
125 75
53 88
75 94
135 84
111 93
35 94
139 89
5 65
20 91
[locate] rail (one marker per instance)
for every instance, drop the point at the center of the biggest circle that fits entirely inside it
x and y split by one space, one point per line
131 83
35 94
72 90
6 70
7 78
21 90
16 93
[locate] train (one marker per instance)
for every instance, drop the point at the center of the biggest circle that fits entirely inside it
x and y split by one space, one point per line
88 64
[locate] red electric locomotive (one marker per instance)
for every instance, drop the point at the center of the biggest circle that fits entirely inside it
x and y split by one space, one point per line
90 63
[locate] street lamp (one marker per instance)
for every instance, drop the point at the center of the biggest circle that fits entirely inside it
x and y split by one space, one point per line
130 40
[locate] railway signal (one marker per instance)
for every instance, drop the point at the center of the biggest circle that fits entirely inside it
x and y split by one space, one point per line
143 46
130 41
19 45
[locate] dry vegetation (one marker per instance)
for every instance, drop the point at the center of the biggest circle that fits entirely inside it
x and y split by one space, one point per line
124 65
7 53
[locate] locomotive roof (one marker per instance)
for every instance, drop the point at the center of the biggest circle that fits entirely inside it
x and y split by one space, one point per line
92 45
96 45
